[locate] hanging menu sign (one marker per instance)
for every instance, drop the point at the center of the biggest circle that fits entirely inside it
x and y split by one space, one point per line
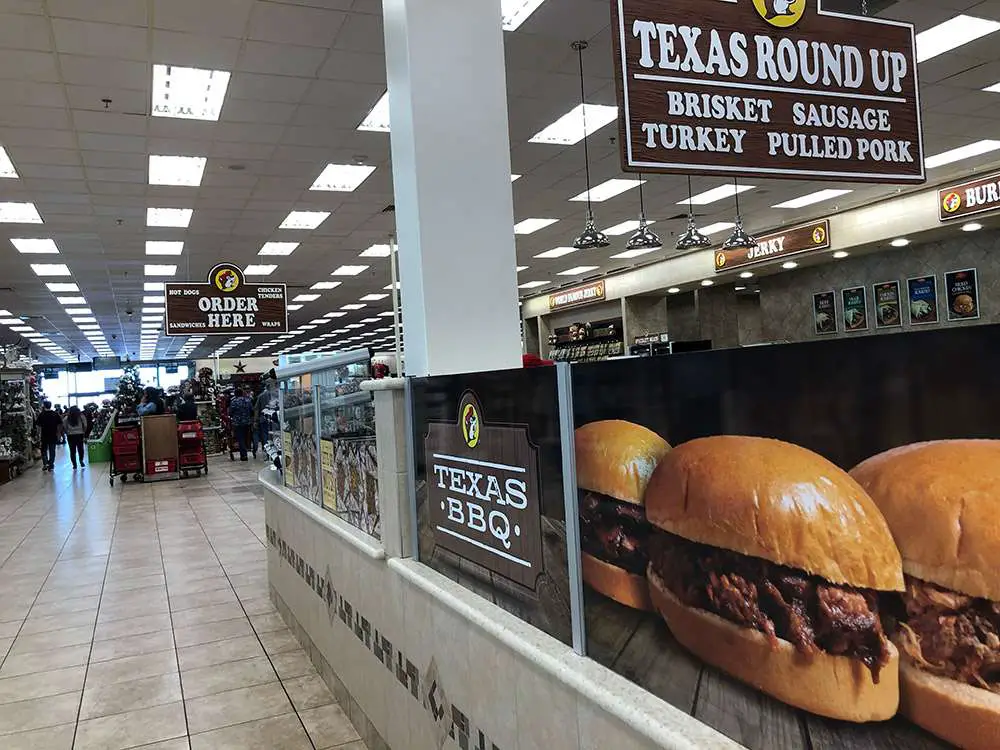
968 198
226 303
766 88
580 295
804 239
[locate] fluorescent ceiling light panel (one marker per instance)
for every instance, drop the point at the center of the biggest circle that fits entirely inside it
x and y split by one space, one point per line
294 307
188 93
377 251
71 300
516 12
159 247
515 177
607 190
635 253
184 171
811 198
156 269
153 286
153 300
306 298
531 284
720 226
373 297
319 321
59 286
335 314
71 311
90 319
530 226
963 152
568 129
304 219
716 194
325 285
168 217
556 252
342 178
259 270
354 325
577 270
50 269
352 307
6 165
349 270
151 310
953 33
278 248
35 247
626 227
19 213
387 314
378 119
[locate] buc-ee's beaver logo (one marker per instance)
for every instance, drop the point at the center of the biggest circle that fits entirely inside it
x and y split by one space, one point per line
471 424
720 260
226 280
952 202
782 14
819 235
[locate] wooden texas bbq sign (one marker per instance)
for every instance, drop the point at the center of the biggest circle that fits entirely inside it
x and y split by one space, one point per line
225 304
745 88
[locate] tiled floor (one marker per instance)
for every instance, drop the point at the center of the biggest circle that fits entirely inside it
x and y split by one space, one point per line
137 617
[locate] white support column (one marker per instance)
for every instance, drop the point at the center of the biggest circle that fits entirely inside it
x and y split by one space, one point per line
451 173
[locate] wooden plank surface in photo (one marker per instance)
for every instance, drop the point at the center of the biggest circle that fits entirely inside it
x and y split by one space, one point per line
748 716
898 734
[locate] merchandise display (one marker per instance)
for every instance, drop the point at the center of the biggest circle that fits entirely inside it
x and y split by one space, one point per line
587 342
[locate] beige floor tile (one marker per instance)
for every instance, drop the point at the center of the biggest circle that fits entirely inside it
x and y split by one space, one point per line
230 676
277 733
212 613
132 729
36 642
328 726
42 684
81 604
179 744
57 658
292 664
63 621
9 629
38 713
52 738
116 698
180 602
132 645
268 622
132 626
131 668
212 631
308 692
236 706
279 642
220 652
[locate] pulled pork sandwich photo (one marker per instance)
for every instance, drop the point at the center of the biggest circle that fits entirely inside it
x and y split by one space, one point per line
766 561
942 503
614 461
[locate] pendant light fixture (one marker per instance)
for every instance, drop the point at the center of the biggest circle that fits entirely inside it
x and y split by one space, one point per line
644 237
592 238
739 239
692 239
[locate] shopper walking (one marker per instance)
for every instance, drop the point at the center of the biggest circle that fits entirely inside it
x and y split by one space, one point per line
241 419
262 411
75 427
188 410
50 426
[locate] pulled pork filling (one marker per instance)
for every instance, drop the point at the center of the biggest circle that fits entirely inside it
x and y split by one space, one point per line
952 635
809 612
613 531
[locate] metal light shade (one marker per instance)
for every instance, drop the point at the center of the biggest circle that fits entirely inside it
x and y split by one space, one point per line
592 238
644 238
692 239
739 239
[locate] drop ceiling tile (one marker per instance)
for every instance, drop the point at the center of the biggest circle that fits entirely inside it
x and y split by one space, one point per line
237 132
22 6
243 110
24 32
101 174
361 33
128 12
100 40
354 66
130 101
99 121
227 18
288 24
114 160
42 172
195 51
25 65
280 59
107 142
242 152
117 188
59 139
267 88
86 71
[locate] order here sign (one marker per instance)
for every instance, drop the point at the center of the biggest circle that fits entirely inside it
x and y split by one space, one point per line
766 88
225 304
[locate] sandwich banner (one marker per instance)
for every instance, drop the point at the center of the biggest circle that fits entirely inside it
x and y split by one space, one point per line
798 544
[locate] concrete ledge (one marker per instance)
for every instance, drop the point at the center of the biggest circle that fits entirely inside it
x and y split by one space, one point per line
384 384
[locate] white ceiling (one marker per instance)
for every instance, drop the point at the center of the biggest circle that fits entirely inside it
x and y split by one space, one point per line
305 73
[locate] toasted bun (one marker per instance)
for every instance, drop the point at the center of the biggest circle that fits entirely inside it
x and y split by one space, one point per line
616 583
942 502
778 502
966 716
617 458
833 686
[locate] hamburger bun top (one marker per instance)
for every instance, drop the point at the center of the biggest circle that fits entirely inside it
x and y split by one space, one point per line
617 458
776 501
942 502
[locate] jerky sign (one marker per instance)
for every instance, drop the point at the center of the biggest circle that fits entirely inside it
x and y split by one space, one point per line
580 295
483 493
226 303
766 88
804 239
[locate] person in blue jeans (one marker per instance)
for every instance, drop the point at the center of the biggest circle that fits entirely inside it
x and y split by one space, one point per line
50 425
241 419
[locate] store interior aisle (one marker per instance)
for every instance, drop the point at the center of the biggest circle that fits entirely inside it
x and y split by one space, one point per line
138 617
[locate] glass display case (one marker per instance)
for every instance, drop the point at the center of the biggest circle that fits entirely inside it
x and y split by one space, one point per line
328 453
